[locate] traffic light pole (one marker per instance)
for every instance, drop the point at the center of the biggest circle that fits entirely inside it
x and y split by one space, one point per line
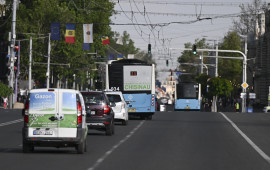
244 58
12 56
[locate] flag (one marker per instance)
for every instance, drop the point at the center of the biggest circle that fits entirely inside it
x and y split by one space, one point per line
88 33
119 56
55 31
70 33
105 40
119 41
86 46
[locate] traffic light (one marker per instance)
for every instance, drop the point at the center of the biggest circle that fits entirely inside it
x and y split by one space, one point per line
149 48
194 49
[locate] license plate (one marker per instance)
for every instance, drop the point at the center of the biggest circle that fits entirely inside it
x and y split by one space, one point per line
95 124
131 110
42 132
187 107
93 112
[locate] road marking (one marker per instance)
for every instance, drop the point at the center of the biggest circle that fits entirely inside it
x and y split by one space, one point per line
264 155
101 159
11 122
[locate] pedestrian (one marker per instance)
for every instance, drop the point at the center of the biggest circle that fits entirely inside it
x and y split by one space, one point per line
237 106
5 99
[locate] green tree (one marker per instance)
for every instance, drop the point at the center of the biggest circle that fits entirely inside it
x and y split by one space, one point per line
36 16
249 13
190 63
5 90
231 69
220 87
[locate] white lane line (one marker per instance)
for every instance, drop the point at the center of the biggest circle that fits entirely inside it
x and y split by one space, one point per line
11 122
101 159
264 155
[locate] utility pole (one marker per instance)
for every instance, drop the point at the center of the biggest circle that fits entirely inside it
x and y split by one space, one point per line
30 66
48 67
216 71
12 56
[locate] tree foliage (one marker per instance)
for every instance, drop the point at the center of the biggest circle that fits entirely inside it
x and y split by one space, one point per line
246 23
34 18
5 90
231 69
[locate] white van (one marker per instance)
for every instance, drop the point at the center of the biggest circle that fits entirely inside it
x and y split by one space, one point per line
120 109
54 118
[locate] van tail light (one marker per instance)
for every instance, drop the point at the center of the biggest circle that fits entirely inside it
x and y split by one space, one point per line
26 116
106 109
79 112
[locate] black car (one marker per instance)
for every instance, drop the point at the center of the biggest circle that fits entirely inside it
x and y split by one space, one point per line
99 112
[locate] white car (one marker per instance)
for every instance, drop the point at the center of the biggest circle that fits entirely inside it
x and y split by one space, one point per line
120 110
266 109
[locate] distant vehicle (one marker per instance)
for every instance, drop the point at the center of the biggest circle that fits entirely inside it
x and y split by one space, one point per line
100 115
120 108
164 100
136 80
188 96
54 118
266 109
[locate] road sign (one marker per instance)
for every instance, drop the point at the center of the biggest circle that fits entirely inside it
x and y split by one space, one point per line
244 85
243 95
252 95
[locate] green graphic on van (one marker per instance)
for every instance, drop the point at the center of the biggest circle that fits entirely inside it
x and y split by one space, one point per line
51 121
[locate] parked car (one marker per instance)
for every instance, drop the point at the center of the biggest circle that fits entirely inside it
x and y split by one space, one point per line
54 118
266 109
99 112
120 108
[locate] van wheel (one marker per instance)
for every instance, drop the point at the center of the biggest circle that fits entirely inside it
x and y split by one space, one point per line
80 148
27 148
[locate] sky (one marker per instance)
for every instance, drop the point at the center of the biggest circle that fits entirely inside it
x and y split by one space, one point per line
170 24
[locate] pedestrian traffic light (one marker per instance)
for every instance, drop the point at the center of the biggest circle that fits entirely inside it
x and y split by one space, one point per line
149 48
194 49
167 62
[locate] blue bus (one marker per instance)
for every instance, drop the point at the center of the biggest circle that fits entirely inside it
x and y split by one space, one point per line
136 80
187 96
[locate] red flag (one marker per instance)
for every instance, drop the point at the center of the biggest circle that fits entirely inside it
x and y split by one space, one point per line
105 40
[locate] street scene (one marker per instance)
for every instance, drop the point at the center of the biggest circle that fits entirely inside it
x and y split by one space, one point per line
135 84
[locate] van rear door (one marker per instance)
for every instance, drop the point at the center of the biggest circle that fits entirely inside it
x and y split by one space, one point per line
53 113
43 108
67 114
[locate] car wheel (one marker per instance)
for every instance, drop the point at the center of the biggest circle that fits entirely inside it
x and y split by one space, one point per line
109 130
27 148
81 147
124 122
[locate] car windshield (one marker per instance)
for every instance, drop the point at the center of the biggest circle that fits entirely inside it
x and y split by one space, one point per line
94 99
114 98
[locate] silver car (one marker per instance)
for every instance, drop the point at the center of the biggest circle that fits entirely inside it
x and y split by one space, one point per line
120 108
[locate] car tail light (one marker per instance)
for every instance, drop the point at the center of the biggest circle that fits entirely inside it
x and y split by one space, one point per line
26 116
79 111
106 109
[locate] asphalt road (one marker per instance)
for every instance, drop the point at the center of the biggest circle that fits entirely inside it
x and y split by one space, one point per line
171 141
